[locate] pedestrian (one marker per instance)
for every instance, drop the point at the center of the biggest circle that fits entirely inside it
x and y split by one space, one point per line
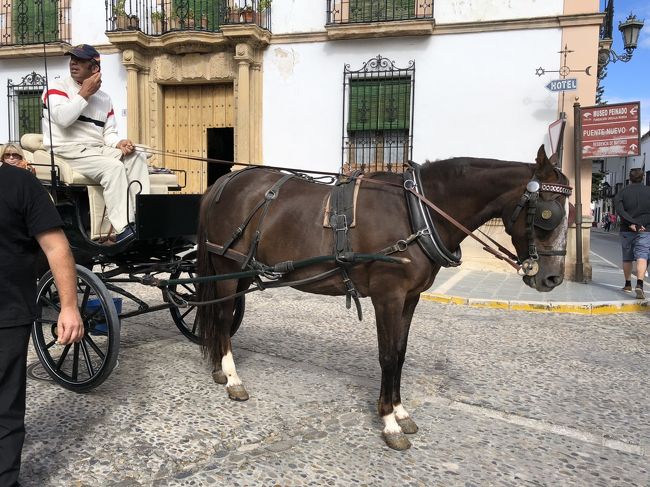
607 221
633 207
29 222
84 133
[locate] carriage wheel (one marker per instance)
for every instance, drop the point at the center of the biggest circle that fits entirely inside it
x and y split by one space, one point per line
186 318
80 366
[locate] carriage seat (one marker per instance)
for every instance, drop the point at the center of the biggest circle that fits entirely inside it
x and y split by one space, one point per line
36 154
160 183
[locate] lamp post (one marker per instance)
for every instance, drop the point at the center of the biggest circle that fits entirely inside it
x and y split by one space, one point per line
629 29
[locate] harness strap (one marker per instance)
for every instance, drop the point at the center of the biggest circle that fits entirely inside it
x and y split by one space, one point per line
269 196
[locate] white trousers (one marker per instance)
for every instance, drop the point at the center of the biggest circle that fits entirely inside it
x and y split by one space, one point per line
105 165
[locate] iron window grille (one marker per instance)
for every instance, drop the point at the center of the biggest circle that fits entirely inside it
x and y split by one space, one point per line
378 116
25 106
25 22
360 11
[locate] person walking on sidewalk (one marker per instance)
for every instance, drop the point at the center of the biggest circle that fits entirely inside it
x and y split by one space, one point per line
633 207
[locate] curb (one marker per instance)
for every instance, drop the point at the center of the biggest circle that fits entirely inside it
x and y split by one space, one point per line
597 308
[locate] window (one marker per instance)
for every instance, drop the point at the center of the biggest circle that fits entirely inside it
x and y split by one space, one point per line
33 24
377 134
25 22
25 106
376 10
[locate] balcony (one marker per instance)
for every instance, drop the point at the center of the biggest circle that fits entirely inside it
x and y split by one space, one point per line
25 25
349 19
159 17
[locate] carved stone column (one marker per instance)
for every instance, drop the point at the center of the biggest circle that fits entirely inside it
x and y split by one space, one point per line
256 115
243 55
130 61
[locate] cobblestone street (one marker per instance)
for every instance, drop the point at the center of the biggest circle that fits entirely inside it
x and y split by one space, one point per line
501 398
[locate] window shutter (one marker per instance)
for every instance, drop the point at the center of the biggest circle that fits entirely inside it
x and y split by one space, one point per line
29 113
28 24
212 10
364 105
372 10
383 104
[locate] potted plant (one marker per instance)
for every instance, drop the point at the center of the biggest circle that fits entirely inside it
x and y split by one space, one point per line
264 5
157 22
247 14
124 21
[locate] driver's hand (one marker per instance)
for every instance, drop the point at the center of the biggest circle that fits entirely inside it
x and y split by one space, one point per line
91 85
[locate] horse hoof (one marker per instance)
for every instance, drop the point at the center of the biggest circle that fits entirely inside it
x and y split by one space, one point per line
397 441
219 377
237 393
408 426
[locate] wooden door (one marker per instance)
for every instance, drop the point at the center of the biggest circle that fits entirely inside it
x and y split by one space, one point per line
190 110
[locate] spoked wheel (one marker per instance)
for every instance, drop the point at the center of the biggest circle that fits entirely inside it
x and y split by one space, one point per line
81 366
186 318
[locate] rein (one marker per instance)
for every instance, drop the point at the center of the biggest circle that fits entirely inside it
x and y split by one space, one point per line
499 252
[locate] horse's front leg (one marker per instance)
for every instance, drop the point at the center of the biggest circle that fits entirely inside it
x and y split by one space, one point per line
391 337
401 414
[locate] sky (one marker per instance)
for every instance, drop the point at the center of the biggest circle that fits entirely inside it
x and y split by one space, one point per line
630 81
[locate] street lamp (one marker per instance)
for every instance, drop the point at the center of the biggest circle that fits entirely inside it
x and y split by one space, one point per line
630 30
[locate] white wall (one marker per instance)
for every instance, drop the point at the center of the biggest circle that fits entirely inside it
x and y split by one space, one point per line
472 10
475 95
290 16
88 22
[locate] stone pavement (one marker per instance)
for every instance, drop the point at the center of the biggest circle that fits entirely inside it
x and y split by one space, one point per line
506 290
502 398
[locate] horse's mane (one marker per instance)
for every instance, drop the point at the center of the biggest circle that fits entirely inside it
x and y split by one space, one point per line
461 166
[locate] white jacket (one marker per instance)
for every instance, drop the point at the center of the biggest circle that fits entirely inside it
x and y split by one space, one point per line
75 120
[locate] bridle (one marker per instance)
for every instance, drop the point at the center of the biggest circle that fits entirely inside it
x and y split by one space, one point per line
543 214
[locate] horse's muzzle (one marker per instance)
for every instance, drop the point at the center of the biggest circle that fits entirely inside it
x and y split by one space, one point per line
544 282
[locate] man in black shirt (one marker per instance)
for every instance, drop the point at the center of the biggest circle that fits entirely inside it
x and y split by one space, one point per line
633 206
28 221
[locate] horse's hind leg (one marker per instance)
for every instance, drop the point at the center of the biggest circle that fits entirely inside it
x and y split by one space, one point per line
401 415
391 339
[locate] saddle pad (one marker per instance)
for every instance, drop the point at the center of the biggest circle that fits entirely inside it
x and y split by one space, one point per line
329 210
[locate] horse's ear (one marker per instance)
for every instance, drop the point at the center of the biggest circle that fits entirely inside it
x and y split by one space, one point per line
541 158
543 164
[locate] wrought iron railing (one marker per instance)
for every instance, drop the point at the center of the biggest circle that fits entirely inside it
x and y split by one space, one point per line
362 11
157 17
26 22
25 105
378 116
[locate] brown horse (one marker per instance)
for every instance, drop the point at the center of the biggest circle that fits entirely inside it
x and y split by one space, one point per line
471 190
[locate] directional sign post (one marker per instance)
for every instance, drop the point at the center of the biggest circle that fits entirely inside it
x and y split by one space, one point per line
610 130
566 84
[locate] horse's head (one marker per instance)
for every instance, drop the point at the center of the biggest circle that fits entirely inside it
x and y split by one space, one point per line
538 224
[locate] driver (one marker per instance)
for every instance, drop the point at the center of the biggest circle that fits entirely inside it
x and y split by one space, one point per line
84 133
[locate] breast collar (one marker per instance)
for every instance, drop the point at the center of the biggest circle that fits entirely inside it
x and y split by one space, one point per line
428 239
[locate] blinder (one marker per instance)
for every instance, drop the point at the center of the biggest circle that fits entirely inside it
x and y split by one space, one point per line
543 214
549 214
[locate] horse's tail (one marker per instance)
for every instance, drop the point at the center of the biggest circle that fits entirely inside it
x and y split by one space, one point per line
207 315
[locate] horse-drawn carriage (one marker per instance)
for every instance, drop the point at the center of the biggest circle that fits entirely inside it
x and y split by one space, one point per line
267 228
165 230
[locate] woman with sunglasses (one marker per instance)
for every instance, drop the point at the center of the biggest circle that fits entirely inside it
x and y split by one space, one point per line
13 155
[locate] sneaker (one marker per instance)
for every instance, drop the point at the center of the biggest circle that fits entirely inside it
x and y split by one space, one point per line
627 289
639 293
124 235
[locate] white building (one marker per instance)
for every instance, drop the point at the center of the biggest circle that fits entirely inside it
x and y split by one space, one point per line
316 84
